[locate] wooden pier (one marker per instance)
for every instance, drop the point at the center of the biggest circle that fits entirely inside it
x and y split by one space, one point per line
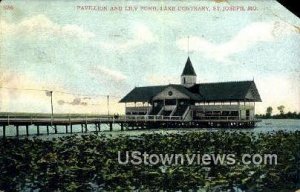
124 122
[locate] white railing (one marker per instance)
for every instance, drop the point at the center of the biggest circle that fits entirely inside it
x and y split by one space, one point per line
218 118
143 109
172 113
186 112
221 107
172 117
160 112
149 117
11 119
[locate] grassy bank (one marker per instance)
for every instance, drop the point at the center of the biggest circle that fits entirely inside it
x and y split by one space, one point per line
90 162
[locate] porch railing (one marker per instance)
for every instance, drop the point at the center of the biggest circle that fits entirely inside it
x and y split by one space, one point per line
218 118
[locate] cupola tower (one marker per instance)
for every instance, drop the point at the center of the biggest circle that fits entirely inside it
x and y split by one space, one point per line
188 76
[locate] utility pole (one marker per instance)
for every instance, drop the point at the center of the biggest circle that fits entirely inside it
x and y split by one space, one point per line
51 93
108 105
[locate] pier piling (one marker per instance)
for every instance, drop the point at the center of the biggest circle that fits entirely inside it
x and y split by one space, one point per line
4 131
85 126
38 130
110 126
17 130
27 130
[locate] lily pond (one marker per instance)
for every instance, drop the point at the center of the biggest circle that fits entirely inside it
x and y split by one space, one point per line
266 125
91 162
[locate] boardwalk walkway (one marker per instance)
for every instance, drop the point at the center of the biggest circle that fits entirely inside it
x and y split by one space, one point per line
125 122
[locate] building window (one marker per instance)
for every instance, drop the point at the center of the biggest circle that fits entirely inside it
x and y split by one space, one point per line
170 93
184 80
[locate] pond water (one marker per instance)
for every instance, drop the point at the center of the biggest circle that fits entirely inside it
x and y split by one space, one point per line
266 125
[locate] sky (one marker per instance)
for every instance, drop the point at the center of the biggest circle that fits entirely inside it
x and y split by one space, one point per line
83 55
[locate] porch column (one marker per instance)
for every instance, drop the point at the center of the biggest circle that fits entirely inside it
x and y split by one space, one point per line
147 108
221 108
239 104
254 110
125 108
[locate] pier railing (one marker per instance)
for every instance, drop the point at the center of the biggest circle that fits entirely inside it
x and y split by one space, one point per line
150 117
31 119
124 121
86 118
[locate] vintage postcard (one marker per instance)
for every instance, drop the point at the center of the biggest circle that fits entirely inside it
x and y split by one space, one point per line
149 95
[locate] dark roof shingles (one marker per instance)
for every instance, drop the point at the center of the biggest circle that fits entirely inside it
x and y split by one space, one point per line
142 94
222 91
188 68
184 90
226 91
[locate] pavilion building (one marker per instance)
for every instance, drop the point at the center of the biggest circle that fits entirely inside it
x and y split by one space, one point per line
192 101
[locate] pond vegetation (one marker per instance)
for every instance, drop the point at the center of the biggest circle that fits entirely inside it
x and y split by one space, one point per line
90 163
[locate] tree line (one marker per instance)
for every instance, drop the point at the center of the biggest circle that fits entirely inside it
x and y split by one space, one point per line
282 114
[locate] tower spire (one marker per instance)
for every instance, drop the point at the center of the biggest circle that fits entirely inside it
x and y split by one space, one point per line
188 76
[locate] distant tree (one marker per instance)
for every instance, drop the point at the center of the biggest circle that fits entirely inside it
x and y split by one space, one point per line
281 109
269 111
294 115
289 115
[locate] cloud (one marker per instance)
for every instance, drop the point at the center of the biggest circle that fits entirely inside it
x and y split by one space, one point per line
278 90
20 92
141 35
76 101
112 82
26 99
43 27
162 80
19 81
109 74
245 39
